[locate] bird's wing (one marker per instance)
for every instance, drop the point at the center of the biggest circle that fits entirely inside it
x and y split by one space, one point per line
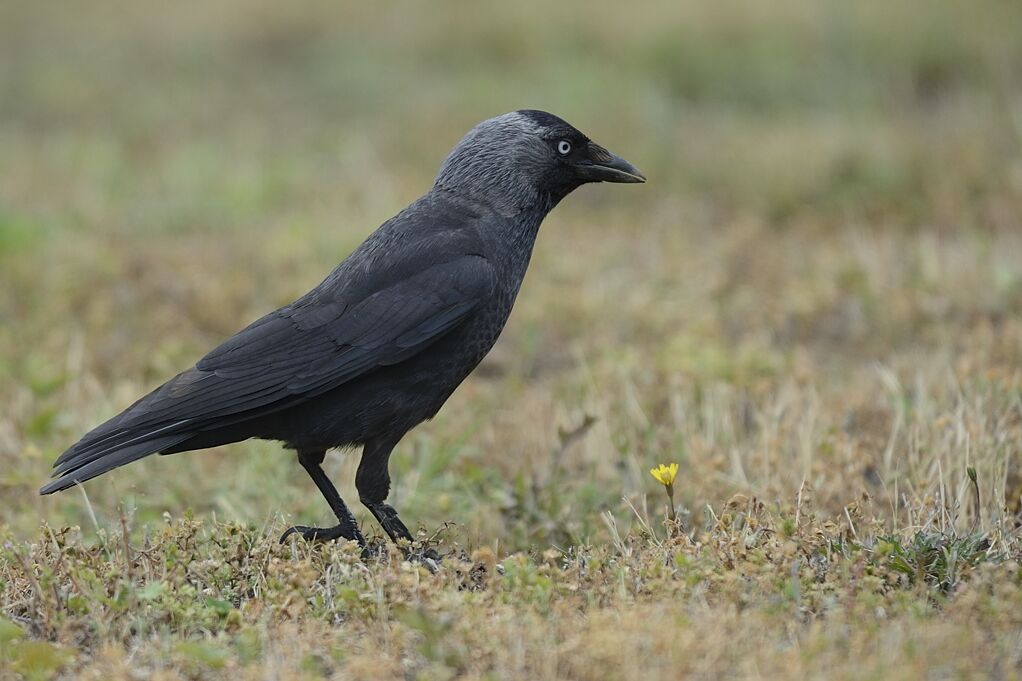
316 345
291 355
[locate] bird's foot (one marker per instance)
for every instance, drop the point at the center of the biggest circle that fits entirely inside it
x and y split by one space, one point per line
328 534
317 533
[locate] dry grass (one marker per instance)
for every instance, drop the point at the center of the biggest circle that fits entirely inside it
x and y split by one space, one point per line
815 307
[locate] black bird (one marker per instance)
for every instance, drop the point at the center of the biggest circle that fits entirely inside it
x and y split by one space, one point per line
383 341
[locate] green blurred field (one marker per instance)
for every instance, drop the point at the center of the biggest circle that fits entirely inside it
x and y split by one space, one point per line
814 306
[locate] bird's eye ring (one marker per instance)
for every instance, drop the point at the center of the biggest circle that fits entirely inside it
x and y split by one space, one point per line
563 147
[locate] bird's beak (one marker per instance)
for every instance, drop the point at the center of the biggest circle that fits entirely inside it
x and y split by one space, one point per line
600 165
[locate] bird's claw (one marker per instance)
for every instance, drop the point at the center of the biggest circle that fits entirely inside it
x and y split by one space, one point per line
316 533
297 529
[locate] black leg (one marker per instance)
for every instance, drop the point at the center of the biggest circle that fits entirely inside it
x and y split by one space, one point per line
373 483
346 527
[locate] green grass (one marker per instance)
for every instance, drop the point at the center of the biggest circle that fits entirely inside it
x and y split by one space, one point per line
813 306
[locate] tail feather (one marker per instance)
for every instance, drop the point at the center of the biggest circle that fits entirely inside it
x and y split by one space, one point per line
75 469
93 440
191 404
122 439
88 450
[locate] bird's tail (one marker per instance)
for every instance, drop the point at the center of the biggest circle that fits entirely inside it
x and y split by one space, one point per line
109 446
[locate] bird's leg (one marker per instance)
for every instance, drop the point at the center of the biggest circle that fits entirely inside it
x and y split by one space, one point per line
346 527
373 483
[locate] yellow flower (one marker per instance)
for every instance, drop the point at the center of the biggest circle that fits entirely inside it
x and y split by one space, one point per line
665 474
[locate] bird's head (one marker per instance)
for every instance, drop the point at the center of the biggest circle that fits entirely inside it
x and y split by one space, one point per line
528 159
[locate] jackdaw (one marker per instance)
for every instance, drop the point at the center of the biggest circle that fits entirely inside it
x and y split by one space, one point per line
383 341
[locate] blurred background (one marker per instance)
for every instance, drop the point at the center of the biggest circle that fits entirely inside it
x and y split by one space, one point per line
821 281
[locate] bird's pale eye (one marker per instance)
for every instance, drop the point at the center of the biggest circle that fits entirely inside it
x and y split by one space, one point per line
563 147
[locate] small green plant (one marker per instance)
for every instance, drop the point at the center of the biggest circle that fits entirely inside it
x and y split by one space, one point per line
937 559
